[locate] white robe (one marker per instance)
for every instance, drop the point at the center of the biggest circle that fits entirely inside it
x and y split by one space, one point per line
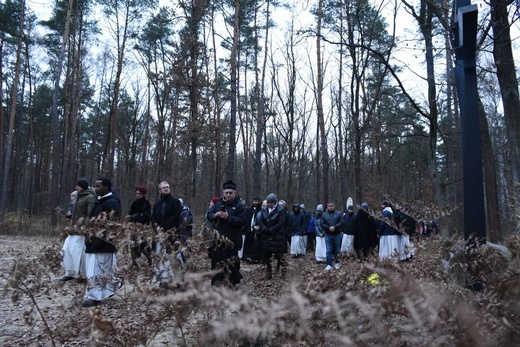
405 247
388 246
321 249
100 271
347 244
297 245
73 252
163 266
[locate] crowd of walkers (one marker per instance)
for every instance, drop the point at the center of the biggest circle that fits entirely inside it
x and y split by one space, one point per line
263 233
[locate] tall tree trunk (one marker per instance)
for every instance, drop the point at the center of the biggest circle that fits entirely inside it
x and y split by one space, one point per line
56 147
507 79
319 108
494 225
230 169
12 116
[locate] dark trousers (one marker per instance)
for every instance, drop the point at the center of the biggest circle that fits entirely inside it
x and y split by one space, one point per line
229 264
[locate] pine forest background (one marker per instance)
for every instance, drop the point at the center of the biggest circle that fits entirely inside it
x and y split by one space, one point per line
312 100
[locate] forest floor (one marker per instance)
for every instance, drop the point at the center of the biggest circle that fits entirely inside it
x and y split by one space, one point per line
412 303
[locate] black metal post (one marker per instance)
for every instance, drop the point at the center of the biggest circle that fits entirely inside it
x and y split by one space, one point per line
464 44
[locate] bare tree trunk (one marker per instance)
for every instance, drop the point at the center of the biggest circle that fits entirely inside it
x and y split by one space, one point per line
230 169
319 108
12 116
494 225
507 79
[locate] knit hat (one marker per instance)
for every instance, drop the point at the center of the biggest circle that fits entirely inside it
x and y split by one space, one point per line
319 207
74 193
387 212
215 199
83 183
364 205
141 189
350 208
302 206
229 184
385 203
283 202
271 198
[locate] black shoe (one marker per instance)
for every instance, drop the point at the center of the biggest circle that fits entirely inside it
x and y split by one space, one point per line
91 303
66 278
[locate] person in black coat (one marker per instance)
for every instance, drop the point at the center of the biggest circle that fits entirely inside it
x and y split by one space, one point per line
250 252
100 258
140 212
365 233
271 229
166 215
228 217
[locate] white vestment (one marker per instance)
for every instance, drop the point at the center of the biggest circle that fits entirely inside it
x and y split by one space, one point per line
321 249
100 271
388 246
73 252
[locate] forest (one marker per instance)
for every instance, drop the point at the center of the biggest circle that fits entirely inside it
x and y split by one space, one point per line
315 101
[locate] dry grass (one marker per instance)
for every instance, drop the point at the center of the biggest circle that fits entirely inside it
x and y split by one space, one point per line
415 303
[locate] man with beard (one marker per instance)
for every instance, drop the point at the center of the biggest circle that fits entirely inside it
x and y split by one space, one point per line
250 251
228 216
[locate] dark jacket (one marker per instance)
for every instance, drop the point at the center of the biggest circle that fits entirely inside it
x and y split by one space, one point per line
405 223
317 224
385 229
167 212
329 219
349 223
140 211
232 226
107 204
365 236
272 230
83 205
298 221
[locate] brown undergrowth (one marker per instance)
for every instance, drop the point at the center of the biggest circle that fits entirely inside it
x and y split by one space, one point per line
409 304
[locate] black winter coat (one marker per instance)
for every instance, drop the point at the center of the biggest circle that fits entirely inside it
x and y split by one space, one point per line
140 211
365 236
105 204
349 223
167 212
272 230
236 220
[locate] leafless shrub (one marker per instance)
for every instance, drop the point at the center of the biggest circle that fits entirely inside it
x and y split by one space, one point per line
411 303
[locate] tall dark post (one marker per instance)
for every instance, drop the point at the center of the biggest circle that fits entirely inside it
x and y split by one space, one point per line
464 44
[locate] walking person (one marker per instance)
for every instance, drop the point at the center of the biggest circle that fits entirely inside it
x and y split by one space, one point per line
365 233
166 216
332 222
100 255
388 239
270 228
228 216
73 250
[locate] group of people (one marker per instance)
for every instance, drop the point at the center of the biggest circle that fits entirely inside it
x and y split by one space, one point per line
93 259
259 234
272 230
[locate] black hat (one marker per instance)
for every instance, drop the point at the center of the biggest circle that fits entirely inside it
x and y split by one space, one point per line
229 184
83 183
271 198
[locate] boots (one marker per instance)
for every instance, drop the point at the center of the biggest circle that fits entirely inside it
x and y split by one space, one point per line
268 274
